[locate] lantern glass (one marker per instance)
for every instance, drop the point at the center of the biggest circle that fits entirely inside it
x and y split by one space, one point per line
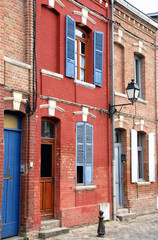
132 91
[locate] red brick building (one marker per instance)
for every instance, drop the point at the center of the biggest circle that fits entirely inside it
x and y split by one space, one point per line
17 131
135 38
73 67
55 160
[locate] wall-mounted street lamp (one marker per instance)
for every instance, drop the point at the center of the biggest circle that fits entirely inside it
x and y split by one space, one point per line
132 94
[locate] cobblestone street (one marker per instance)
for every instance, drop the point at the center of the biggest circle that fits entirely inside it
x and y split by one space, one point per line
140 228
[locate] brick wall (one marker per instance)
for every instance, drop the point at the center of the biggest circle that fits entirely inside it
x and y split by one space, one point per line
140 116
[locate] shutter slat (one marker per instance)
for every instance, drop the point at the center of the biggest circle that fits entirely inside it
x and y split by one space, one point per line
70 47
134 156
98 58
151 157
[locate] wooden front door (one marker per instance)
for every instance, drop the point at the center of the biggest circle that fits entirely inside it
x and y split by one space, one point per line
47 179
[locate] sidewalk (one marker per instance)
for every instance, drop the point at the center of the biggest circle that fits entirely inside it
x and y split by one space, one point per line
140 228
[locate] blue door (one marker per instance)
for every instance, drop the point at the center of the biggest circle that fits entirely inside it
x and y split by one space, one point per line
11 183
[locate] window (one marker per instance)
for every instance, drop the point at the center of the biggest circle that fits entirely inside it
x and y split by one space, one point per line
80 55
142 156
138 72
77 51
84 153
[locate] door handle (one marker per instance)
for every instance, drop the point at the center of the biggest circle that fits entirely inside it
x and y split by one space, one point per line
53 180
7 178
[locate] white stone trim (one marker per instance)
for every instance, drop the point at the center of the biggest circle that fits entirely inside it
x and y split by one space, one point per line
143 183
85 188
52 2
85 113
120 94
17 63
52 74
142 101
84 84
84 15
91 12
17 99
52 107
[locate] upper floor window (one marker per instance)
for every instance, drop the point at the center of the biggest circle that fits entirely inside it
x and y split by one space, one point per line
77 52
80 55
138 72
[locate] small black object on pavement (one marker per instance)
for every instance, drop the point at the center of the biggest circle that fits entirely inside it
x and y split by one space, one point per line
101 226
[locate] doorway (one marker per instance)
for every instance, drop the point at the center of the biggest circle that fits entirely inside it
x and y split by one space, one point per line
119 168
47 182
11 176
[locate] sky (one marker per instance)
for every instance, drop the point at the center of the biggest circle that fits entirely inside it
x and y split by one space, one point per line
146 6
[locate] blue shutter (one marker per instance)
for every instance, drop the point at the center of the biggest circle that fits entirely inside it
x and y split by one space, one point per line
80 143
98 58
70 47
88 153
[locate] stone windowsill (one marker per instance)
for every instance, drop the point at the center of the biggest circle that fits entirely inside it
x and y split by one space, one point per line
84 84
85 188
52 74
123 95
143 183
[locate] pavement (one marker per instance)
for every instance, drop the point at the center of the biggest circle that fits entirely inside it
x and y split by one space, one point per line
141 228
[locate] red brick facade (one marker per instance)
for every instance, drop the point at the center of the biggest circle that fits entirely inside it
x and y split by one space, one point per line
61 101
75 205
135 34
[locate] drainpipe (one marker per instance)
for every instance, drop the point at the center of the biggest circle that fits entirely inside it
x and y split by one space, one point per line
112 103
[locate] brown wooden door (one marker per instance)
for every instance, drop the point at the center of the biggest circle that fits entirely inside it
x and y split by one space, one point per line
47 178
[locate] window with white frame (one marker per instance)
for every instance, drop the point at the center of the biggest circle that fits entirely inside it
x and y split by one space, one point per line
138 72
84 153
142 169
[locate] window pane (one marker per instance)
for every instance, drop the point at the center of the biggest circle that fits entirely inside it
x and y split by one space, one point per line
75 45
82 75
75 59
47 130
82 48
79 174
46 160
137 72
140 164
80 34
82 62
88 175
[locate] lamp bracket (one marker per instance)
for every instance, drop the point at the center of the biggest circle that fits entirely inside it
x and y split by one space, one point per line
113 110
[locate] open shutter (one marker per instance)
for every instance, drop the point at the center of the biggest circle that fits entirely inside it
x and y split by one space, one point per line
89 154
80 143
134 156
98 58
151 157
70 47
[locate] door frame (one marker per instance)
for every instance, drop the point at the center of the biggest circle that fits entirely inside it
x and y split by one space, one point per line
52 142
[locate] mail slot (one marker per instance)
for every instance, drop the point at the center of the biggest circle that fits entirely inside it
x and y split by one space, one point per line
7 178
